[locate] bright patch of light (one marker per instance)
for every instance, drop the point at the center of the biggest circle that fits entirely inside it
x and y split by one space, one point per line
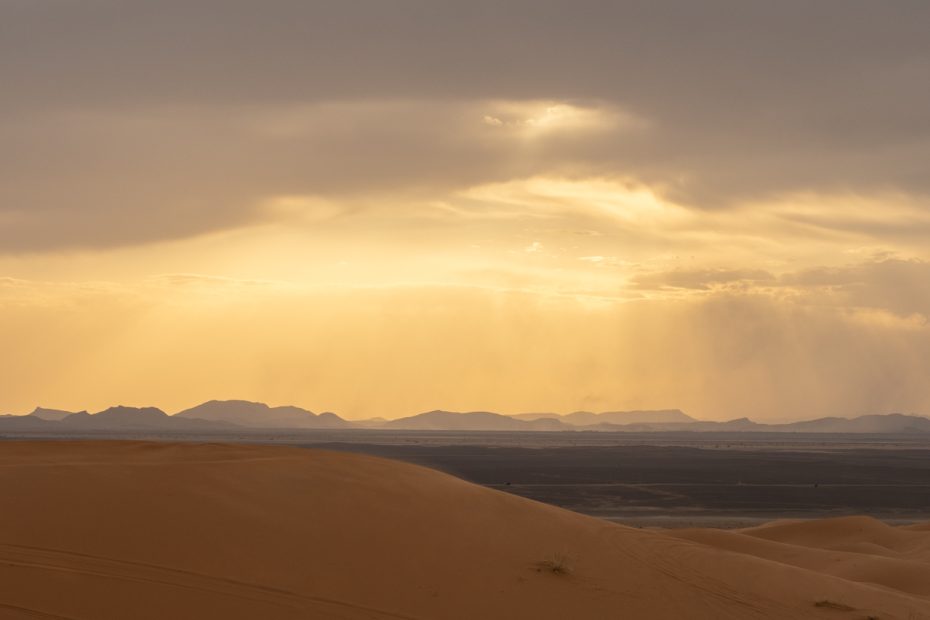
532 118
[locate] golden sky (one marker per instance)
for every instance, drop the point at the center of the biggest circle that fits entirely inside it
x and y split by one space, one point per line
384 208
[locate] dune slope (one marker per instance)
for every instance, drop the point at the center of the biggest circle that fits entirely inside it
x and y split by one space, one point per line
857 534
863 562
154 530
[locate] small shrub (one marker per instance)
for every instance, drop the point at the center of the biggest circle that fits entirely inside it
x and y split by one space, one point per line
557 564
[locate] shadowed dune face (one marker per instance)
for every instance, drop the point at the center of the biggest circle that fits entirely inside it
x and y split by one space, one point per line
151 530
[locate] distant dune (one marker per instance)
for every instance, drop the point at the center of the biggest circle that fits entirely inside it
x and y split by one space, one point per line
858 549
116 530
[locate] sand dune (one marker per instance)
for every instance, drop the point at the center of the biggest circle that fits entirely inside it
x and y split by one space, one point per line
863 565
854 534
101 530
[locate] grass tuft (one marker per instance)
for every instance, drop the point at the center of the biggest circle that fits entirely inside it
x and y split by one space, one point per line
557 564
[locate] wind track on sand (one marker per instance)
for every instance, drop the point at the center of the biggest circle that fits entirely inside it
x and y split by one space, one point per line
46 559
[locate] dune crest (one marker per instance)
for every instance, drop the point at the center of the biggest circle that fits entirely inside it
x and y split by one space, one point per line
157 530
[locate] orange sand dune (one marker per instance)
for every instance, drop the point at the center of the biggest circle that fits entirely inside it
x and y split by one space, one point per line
116 530
879 568
855 534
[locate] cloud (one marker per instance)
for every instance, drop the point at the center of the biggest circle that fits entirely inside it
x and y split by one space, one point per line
703 279
880 289
126 122
97 178
898 286
205 281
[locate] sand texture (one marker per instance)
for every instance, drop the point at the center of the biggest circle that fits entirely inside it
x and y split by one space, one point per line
116 530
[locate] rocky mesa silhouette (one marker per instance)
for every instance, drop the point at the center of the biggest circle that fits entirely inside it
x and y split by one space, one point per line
259 415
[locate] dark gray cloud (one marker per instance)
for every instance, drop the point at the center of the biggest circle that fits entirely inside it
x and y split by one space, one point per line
743 100
287 50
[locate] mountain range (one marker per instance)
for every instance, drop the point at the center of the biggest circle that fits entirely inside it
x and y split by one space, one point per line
245 416
587 418
260 415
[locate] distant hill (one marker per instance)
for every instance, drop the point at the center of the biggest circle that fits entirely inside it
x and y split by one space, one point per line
24 424
370 423
890 423
260 415
211 416
112 419
51 414
246 416
649 421
134 418
697 426
472 421
587 418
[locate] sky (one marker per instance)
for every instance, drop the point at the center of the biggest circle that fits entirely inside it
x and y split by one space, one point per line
383 207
